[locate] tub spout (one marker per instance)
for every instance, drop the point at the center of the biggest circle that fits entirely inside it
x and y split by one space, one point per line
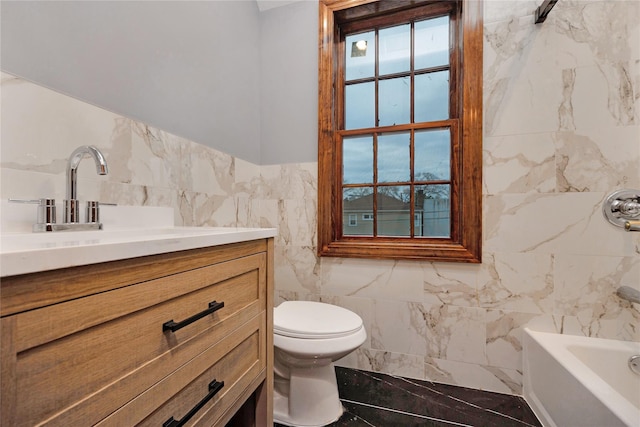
628 293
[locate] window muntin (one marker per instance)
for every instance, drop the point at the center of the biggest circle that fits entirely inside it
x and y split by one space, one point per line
380 82
445 144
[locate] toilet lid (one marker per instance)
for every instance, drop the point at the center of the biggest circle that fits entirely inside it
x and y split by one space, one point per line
307 319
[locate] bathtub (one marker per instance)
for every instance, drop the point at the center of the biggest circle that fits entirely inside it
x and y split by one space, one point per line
579 381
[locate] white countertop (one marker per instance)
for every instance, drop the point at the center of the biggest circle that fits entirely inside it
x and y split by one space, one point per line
128 232
22 253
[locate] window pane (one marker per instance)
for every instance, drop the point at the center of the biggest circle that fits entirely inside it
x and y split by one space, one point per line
356 203
432 155
360 106
432 97
433 210
394 158
394 102
360 52
395 49
432 42
394 211
357 160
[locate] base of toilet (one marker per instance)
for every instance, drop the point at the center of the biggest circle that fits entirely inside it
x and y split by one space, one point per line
312 400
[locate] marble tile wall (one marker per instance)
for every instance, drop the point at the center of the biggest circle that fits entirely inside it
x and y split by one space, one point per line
562 130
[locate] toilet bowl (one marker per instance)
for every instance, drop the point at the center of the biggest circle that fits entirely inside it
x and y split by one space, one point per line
308 338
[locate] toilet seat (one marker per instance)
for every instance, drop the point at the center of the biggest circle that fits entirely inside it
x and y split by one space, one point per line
314 320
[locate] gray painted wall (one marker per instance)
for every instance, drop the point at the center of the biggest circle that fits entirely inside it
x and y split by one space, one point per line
289 79
190 68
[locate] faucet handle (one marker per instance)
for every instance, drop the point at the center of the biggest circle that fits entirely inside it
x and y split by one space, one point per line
46 209
93 210
71 211
33 201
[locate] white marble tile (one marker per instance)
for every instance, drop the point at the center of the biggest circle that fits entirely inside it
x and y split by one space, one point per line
553 223
522 90
269 177
155 158
607 28
404 365
400 327
627 326
450 283
297 269
297 222
206 170
586 287
223 211
507 381
200 209
137 195
382 279
508 43
290 181
519 164
197 208
603 95
247 179
607 159
528 104
521 282
457 333
500 10
605 35
473 376
269 214
504 338
119 154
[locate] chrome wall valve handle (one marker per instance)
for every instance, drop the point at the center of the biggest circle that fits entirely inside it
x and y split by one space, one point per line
622 209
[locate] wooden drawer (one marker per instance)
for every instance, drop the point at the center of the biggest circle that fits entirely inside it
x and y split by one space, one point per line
75 362
235 361
36 290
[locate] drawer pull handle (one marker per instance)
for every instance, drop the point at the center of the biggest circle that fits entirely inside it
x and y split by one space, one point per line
173 326
214 388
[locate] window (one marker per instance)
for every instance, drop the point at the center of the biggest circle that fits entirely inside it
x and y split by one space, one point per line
400 132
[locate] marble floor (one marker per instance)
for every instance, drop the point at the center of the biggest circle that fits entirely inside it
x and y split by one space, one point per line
374 399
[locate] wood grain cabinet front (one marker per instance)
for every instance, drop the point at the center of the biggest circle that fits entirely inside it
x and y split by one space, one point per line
143 351
196 391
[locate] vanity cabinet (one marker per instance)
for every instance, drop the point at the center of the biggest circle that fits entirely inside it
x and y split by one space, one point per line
151 341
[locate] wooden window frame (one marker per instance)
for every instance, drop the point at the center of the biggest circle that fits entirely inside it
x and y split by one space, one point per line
465 242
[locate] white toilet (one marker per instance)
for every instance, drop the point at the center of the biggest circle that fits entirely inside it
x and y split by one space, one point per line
308 338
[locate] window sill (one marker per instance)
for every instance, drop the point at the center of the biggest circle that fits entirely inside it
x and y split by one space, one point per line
444 251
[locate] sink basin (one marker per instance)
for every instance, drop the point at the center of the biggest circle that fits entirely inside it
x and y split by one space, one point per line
22 253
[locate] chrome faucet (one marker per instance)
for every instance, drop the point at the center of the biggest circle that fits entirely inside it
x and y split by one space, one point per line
71 208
